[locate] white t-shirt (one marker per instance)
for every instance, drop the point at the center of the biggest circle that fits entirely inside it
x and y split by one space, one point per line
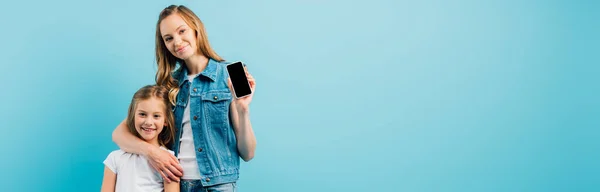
134 173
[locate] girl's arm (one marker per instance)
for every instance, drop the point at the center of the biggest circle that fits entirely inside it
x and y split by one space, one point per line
240 117
161 160
171 187
109 181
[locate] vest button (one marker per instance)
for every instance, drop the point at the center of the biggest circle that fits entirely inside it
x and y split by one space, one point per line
199 149
207 179
195 117
195 90
216 98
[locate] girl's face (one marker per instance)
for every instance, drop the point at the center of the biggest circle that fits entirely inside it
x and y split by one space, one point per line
150 119
178 37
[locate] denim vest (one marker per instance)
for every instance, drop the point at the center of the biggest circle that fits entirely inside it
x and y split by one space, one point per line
214 138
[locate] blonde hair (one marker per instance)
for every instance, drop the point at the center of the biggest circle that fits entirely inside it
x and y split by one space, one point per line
166 61
167 135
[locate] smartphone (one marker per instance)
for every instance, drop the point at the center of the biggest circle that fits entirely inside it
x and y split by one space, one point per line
239 81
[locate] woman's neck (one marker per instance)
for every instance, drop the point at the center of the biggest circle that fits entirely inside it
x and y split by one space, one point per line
196 64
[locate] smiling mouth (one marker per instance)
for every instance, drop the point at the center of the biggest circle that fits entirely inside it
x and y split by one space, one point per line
148 129
181 49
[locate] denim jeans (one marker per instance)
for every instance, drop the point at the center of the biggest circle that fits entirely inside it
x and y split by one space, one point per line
196 186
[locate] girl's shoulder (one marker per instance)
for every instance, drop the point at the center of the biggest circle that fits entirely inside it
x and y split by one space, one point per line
116 153
117 156
113 160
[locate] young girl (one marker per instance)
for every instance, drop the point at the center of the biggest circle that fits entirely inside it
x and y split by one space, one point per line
150 119
213 129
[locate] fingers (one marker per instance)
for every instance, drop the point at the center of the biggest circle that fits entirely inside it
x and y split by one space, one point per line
165 177
175 171
168 166
251 80
249 76
172 169
171 176
178 168
155 167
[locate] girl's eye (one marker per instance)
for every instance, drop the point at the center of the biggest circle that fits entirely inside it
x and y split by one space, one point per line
182 31
168 39
156 116
142 114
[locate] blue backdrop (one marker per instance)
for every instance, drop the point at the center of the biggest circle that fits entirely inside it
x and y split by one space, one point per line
377 95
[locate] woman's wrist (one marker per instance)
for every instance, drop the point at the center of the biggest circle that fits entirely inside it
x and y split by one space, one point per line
147 149
242 110
243 115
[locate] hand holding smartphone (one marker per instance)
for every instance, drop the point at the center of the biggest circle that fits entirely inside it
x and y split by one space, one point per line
239 81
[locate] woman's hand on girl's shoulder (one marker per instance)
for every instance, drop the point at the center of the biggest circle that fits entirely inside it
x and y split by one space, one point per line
166 164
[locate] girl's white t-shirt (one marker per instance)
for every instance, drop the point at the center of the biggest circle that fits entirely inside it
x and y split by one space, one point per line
134 173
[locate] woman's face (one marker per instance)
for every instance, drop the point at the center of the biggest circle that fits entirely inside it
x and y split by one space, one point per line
178 37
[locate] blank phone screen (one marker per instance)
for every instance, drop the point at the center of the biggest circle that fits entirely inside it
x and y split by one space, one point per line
239 81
